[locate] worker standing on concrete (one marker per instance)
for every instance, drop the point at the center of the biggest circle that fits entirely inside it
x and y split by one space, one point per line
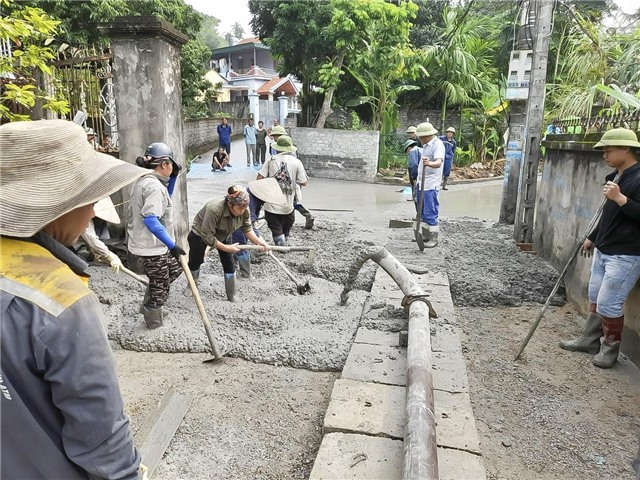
414 158
433 153
614 243
260 191
261 142
213 226
450 152
61 409
288 171
249 132
224 137
150 229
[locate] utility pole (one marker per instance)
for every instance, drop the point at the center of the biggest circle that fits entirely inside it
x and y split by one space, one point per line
528 181
525 90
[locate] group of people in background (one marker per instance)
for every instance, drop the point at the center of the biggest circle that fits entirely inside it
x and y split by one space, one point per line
256 140
429 162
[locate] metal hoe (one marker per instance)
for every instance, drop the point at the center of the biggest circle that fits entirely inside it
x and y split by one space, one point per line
574 254
215 348
302 288
417 232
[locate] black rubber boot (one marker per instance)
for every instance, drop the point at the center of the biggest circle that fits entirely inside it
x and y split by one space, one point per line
433 240
153 316
244 264
230 286
589 340
145 300
306 214
444 183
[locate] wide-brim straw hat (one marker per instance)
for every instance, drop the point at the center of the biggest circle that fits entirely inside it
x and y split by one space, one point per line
278 130
425 129
618 137
284 144
267 190
105 210
47 169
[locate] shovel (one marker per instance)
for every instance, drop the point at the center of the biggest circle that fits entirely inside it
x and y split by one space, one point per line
310 258
417 232
215 348
302 288
142 280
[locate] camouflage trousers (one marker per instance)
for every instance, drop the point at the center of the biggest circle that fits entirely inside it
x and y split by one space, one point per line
162 270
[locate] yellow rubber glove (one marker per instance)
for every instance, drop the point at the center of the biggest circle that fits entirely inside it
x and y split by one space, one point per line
115 263
144 470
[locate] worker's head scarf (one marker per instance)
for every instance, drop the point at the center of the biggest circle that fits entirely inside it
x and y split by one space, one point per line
237 195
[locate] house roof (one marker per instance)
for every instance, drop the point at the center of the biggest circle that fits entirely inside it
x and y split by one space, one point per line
276 85
248 46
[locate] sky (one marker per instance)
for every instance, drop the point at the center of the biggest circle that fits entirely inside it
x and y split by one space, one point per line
227 11
231 11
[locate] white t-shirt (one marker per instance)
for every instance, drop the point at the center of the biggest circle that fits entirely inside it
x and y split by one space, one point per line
297 174
433 150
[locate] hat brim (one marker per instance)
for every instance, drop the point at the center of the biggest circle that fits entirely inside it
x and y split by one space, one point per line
426 133
285 149
106 211
267 190
616 143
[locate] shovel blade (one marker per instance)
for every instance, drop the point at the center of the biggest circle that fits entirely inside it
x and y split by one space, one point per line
419 240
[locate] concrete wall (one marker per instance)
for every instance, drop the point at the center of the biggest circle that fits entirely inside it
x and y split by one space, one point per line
338 154
201 134
567 200
409 116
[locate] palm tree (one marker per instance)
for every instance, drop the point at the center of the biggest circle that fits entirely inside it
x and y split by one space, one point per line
460 62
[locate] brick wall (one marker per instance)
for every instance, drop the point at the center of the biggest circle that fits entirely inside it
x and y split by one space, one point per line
338 154
200 134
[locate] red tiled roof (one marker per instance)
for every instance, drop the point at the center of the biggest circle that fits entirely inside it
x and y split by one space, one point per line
249 40
286 86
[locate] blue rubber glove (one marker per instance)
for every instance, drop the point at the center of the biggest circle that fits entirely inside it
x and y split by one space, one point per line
155 227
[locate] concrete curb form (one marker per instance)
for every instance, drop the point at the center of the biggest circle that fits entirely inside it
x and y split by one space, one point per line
365 420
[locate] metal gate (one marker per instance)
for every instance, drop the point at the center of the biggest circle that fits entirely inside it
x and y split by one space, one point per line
83 76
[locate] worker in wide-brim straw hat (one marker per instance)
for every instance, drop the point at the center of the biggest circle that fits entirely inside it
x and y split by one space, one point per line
104 210
411 133
615 268
151 236
213 226
288 171
62 412
260 191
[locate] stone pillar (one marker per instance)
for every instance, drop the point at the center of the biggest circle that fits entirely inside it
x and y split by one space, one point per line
284 111
146 71
254 106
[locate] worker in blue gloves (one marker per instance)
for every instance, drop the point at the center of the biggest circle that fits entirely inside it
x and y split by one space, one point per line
150 228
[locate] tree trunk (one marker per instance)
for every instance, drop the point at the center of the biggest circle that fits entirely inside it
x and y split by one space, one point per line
444 113
326 110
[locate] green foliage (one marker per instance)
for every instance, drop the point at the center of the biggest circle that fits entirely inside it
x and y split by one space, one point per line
208 33
237 31
29 30
460 62
591 64
79 22
355 121
197 93
466 157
